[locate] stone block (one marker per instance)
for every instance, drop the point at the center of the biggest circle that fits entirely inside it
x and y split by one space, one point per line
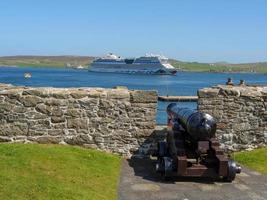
14 129
222 125
47 140
62 125
145 125
207 92
56 111
30 101
33 115
138 96
6 130
41 123
79 139
5 107
99 139
35 92
76 94
43 109
118 94
106 104
97 93
229 91
78 123
73 113
14 94
55 132
2 99
88 103
60 94
56 102
5 139
55 119
250 93
19 109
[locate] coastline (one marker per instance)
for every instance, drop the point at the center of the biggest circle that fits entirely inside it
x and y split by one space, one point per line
9 66
71 61
40 66
179 70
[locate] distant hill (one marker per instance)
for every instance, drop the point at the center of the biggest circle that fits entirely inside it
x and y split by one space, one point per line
260 67
72 61
46 61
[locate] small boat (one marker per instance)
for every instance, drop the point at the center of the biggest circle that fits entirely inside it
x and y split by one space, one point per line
27 75
80 67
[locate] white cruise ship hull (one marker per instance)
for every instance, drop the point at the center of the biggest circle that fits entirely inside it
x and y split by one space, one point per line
132 68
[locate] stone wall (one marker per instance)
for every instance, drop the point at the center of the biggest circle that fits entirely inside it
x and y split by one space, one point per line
241 112
114 120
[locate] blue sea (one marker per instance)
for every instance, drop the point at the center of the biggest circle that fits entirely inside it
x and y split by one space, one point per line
183 83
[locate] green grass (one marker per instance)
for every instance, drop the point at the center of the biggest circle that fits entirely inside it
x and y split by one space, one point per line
45 61
220 67
256 159
32 171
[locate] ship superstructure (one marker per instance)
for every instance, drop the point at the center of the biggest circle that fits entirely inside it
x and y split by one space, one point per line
148 64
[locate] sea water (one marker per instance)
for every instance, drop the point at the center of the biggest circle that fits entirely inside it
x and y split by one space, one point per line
183 83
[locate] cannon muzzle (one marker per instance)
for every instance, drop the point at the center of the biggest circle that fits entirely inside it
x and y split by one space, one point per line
200 126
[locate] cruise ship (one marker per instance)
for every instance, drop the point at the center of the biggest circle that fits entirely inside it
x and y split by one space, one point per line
148 64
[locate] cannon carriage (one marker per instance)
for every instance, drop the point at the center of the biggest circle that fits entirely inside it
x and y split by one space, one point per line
191 148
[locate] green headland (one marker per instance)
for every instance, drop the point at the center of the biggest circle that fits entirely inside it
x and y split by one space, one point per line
45 61
260 67
75 61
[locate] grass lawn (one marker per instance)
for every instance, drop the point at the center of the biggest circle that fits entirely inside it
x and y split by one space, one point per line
32 171
256 159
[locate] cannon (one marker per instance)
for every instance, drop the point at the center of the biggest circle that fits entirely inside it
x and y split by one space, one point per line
191 149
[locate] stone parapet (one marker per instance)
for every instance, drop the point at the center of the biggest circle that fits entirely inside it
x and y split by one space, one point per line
114 120
241 113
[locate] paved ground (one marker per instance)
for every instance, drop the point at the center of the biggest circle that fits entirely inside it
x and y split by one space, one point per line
139 181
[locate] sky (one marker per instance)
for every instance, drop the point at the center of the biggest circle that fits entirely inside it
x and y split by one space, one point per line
188 30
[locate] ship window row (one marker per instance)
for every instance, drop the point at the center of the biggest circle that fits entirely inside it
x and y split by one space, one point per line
146 61
112 61
122 62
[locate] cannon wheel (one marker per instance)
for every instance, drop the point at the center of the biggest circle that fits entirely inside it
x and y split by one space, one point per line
162 148
231 171
164 167
167 163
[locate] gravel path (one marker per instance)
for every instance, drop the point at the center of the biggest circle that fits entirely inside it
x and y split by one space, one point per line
139 181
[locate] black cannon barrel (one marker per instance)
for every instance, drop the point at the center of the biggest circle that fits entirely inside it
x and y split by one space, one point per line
200 126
